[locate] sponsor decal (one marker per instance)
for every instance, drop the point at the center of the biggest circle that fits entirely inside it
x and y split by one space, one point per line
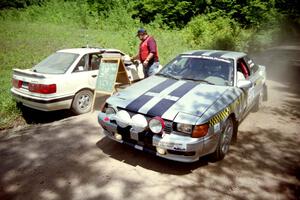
208 57
217 127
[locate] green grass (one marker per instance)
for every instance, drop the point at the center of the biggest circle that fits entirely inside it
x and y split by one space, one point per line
25 43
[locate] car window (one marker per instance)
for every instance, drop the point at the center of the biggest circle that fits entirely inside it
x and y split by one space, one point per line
95 60
57 63
200 68
88 62
251 64
243 68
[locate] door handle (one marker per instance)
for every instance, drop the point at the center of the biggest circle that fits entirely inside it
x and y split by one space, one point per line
94 76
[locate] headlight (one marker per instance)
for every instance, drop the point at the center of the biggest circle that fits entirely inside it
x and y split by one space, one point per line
123 118
156 125
185 128
110 111
139 123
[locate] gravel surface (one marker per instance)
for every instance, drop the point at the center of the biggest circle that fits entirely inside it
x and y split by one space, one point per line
71 158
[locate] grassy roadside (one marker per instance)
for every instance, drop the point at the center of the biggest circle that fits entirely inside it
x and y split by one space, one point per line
23 44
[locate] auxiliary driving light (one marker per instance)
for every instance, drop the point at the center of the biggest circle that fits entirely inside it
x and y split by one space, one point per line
156 125
161 151
118 136
123 118
139 123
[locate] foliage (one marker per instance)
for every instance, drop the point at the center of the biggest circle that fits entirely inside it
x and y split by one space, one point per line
173 12
218 33
289 8
18 3
248 13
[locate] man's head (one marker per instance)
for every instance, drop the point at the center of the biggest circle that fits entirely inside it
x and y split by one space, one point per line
142 34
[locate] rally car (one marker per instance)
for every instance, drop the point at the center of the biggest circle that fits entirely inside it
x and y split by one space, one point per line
189 109
65 80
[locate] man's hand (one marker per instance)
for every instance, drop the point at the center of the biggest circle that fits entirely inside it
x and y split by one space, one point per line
145 63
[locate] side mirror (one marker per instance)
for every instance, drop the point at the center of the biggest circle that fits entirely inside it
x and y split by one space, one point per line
244 84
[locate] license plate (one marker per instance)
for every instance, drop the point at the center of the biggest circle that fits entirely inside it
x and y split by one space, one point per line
25 85
171 145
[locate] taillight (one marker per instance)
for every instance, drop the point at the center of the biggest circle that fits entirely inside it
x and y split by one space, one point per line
41 88
17 83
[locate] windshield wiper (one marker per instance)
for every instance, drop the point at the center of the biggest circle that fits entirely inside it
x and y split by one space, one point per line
167 76
198 80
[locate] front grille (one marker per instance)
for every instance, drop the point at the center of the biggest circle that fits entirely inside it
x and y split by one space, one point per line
182 153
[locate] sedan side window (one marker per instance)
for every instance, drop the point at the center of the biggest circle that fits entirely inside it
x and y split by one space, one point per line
95 60
252 66
243 68
82 65
88 62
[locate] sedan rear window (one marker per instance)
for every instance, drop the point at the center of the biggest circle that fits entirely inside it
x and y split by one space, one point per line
57 63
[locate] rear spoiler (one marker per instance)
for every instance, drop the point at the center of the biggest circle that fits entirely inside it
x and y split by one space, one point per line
103 50
27 73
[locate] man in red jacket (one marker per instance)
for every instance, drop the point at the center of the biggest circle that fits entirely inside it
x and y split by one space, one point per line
148 53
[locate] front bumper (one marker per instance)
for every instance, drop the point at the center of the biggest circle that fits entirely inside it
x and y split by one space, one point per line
43 103
167 145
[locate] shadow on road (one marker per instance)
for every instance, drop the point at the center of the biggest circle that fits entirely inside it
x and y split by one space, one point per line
134 157
32 116
54 162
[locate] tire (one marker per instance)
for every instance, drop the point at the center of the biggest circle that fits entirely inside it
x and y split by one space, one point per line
82 102
226 135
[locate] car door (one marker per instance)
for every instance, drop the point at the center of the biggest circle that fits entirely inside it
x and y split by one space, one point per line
85 73
251 93
257 72
93 69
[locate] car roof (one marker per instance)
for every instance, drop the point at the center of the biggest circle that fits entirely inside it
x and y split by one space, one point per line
216 53
90 50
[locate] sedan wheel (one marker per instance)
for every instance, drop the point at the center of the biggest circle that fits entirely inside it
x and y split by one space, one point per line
226 136
224 140
82 102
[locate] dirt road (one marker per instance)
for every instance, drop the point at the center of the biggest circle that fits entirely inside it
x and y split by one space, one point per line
71 159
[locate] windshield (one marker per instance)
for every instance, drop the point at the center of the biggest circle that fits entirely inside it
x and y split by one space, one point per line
217 71
57 63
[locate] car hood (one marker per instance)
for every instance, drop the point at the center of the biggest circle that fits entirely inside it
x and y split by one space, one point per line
168 98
